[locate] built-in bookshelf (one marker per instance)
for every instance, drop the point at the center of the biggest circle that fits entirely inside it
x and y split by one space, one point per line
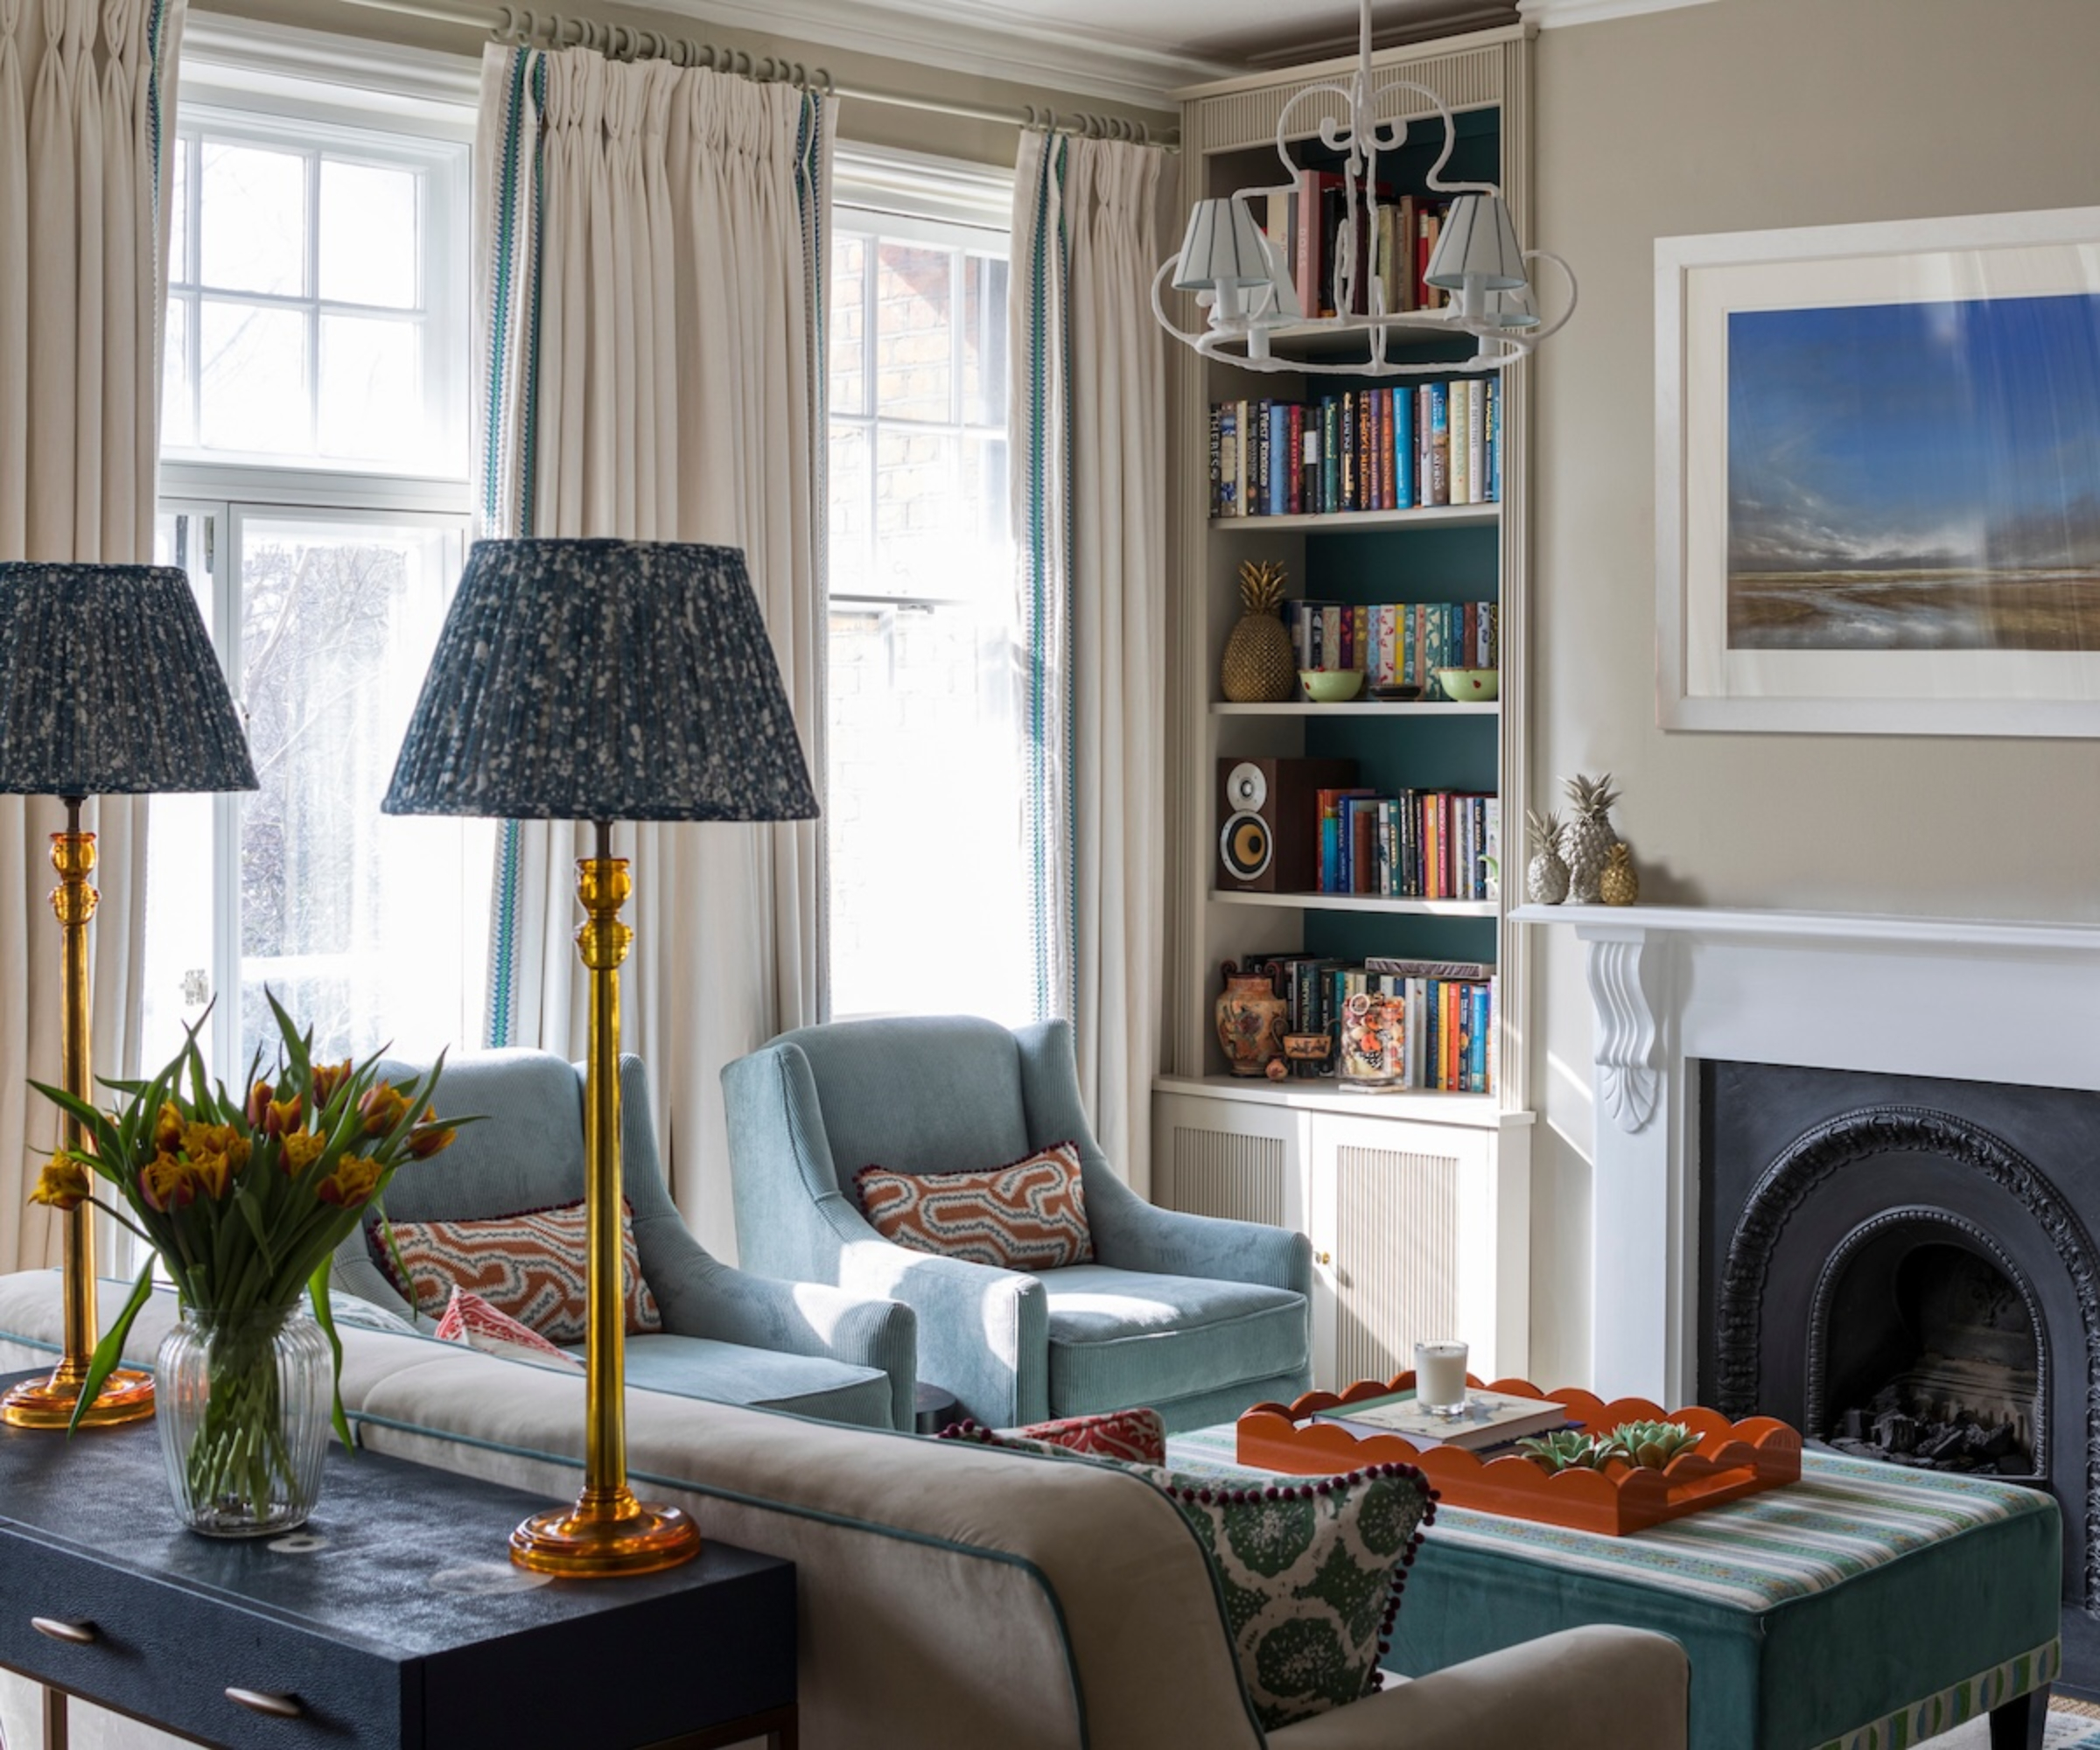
1352 1169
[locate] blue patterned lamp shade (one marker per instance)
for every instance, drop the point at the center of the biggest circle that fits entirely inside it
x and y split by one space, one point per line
602 680
109 686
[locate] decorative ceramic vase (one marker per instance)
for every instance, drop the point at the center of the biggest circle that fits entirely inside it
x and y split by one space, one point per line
1250 1021
1619 884
243 1413
1259 664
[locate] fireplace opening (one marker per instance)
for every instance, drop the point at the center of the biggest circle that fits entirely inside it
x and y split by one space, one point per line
1933 1355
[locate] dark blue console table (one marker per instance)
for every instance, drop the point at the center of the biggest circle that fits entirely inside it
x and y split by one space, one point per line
393 1621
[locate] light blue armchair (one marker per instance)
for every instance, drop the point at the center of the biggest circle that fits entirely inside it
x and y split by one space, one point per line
728 1336
1195 1317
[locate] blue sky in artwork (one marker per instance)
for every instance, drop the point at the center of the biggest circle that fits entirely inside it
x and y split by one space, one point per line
1916 436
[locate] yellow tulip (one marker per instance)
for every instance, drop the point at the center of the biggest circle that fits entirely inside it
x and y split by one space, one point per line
301 1149
62 1185
164 1183
167 1128
327 1079
355 1179
213 1172
382 1107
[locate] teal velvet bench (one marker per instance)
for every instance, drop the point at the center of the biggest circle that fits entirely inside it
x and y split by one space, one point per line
1865 1608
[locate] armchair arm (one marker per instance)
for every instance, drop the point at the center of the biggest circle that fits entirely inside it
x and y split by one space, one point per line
1602 1688
702 1296
984 1333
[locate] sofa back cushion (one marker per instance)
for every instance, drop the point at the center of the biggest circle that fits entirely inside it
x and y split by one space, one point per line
917 1093
1028 1215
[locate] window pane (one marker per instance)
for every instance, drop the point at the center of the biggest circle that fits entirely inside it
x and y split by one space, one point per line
851 560
178 417
368 929
253 366
371 399
178 215
929 518
255 219
848 339
914 291
367 234
983 340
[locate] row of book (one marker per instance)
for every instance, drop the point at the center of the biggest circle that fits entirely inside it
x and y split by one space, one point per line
1306 221
1424 1023
1388 448
1420 845
1394 643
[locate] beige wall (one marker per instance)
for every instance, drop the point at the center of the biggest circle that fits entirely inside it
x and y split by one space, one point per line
869 123
1740 116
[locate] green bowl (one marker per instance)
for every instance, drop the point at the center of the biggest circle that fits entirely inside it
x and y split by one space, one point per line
1331 686
1470 686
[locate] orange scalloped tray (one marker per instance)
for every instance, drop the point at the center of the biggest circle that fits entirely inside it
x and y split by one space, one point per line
1736 1459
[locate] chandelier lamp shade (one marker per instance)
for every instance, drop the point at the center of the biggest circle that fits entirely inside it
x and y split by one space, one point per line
599 680
109 686
1243 281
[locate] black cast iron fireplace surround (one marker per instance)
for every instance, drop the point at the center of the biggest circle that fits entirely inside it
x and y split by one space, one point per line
1813 1182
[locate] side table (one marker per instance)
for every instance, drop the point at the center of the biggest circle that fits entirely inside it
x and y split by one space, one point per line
394 1619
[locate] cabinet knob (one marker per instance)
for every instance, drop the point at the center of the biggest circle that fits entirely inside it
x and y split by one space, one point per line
78 1634
261 1701
1323 1257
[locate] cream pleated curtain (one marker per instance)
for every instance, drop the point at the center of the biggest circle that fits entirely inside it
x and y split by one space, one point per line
86 98
651 246
1089 514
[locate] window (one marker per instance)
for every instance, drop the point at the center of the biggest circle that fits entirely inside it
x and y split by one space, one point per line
314 481
929 908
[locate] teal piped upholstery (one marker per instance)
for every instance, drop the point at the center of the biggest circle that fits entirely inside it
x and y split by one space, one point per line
730 1336
1195 1317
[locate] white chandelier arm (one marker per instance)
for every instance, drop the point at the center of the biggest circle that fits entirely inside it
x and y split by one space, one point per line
1221 344
1536 335
1172 265
1434 181
1282 121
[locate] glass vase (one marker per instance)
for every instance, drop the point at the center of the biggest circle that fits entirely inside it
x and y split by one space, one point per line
243 1403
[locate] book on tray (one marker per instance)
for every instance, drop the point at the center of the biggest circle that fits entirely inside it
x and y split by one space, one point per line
1490 1418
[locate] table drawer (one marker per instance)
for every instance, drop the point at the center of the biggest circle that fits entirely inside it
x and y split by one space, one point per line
169 1653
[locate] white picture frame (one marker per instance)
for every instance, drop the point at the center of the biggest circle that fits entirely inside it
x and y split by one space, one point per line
1857 529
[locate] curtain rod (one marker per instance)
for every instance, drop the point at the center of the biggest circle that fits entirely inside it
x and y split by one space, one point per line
521 27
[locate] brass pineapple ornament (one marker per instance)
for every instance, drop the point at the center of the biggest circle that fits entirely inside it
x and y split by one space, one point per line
1259 664
1590 836
1619 884
1546 875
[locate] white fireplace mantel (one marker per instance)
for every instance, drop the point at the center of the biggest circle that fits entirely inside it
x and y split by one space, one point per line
1673 986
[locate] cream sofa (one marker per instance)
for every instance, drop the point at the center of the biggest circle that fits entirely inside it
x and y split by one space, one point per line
951 1595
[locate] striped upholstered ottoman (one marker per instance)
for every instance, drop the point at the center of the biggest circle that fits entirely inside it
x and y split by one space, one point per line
1865 1608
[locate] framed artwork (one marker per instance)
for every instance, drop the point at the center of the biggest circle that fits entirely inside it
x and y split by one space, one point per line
1878 478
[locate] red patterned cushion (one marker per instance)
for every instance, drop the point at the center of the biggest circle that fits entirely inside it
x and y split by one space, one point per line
529 1266
470 1321
1030 1215
1137 1435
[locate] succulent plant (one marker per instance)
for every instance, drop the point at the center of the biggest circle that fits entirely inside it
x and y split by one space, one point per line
1567 1449
1651 1445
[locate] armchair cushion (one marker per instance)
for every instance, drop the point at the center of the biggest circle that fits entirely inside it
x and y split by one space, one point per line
1029 1215
470 1321
529 1266
1107 1328
815 1386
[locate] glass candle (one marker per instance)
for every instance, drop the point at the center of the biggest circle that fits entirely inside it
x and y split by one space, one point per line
1441 1377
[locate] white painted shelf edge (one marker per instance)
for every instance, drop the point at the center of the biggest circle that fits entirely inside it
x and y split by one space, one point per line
1713 920
1360 902
1471 1112
1359 708
1456 516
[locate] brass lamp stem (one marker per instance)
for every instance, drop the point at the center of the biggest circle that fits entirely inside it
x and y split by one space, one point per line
608 1532
126 1396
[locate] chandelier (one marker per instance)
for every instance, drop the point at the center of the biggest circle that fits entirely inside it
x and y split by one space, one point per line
1245 281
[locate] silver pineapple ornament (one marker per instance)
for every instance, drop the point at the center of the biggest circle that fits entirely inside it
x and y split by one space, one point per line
1590 835
1546 875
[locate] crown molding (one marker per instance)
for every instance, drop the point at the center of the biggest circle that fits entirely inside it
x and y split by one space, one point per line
976 36
252 54
1552 14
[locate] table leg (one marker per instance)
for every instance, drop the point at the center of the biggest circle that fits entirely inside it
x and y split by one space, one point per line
56 1727
2020 1723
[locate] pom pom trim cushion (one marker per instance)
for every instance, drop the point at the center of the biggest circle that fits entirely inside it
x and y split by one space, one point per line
470 1321
529 1266
1138 1436
1028 1215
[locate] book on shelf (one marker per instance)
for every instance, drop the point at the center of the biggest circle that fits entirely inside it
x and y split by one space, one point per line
1382 448
1395 642
1440 1014
1490 1418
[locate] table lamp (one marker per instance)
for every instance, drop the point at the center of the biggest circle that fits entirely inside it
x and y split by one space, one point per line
109 686
602 680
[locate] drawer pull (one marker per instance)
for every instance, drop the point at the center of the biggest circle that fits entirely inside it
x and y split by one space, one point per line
261 1701
79 1633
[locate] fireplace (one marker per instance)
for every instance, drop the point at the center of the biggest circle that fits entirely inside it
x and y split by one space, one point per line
1903 1268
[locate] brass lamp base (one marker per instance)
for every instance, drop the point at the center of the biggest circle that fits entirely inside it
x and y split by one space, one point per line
587 1541
47 1402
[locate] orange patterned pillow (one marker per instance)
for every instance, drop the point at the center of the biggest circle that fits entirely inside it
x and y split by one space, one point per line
529 1266
1030 1215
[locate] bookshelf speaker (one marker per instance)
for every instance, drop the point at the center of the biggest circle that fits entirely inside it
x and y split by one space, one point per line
1269 821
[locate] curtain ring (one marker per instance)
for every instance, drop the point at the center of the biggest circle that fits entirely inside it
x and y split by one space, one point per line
620 43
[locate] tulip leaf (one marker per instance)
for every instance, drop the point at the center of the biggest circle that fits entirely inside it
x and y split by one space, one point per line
110 1350
324 1315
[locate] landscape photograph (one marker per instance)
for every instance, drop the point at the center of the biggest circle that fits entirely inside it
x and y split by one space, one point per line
1915 476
